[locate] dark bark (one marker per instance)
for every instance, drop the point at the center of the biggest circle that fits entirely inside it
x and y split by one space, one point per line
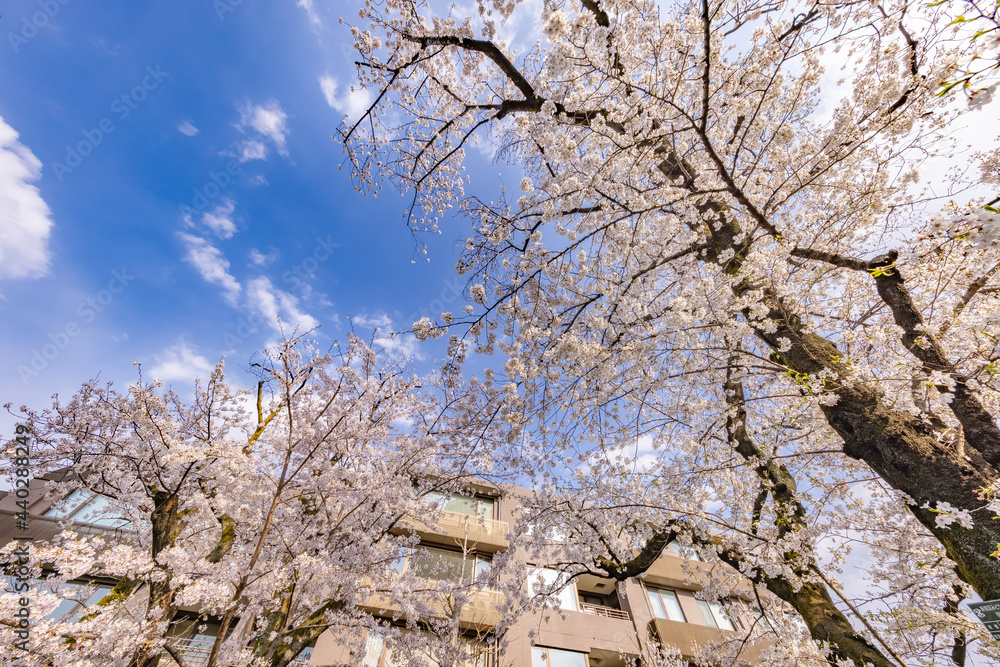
904 451
293 643
825 622
165 522
812 600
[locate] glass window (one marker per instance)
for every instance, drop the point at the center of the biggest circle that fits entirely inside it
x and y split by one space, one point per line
442 565
373 650
553 657
86 507
706 614
69 504
77 598
380 653
722 619
665 604
461 504
542 580
101 511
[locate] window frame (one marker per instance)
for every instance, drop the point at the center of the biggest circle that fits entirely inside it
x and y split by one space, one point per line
548 655
569 590
440 499
712 612
376 637
658 592
90 502
478 560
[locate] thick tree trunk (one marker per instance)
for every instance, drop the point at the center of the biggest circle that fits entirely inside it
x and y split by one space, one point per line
901 448
165 528
904 451
826 623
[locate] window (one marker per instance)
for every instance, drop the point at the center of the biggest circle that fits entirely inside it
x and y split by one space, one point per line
714 615
665 604
77 598
442 565
461 504
553 657
380 653
86 507
543 581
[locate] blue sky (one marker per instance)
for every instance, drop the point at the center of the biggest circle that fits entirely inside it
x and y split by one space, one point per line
127 112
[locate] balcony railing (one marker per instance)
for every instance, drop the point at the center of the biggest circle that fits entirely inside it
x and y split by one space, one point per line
607 612
471 523
196 651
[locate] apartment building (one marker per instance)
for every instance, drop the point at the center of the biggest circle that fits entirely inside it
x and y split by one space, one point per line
598 623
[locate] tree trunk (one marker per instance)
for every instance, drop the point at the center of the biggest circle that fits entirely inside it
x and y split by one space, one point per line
904 451
165 528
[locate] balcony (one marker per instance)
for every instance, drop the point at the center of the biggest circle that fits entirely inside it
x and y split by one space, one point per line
688 638
607 612
480 612
196 651
451 527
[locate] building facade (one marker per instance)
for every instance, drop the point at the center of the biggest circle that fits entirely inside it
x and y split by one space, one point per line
595 622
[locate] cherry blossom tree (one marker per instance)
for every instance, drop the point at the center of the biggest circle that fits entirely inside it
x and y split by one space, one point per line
720 250
277 513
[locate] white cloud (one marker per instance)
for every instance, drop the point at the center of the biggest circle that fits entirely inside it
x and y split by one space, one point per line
181 362
352 104
272 303
380 320
267 120
220 219
260 259
187 128
25 221
310 7
405 344
212 266
251 149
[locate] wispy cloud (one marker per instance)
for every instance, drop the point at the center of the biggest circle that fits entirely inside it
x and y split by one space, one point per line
381 326
181 362
188 128
220 219
268 121
352 104
260 259
251 149
25 222
272 303
310 7
212 265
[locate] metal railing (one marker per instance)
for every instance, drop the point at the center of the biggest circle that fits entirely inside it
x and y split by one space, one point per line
196 651
608 612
